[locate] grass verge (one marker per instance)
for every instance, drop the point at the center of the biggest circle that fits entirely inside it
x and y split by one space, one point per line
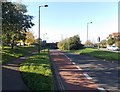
10 54
98 53
36 72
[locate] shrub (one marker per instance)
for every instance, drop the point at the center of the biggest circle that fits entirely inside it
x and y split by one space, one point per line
72 43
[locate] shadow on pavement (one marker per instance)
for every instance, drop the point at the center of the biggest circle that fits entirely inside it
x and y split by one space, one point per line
12 81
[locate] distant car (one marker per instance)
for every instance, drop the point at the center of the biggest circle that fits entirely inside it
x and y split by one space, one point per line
113 48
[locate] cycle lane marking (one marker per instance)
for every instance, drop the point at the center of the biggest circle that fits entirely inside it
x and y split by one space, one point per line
85 74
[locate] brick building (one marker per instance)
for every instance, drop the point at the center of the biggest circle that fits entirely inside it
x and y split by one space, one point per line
114 35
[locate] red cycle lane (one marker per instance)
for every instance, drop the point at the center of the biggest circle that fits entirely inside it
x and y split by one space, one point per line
69 77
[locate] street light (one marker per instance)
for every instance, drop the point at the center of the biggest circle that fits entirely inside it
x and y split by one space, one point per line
87 29
39 27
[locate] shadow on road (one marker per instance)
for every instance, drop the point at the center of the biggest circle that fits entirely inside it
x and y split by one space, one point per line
104 73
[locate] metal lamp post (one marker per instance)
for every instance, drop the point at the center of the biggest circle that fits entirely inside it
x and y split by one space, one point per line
39 27
87 29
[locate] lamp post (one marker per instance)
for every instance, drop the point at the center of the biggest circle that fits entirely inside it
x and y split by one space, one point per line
87 29
39 27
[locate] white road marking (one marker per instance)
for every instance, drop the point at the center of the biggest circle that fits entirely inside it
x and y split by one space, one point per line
102 90
88 77
67 57
78 67
73 63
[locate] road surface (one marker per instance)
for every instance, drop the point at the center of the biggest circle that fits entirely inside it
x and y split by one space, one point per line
93 72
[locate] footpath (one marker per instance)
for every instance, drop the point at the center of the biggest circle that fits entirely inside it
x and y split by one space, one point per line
68 76
11 77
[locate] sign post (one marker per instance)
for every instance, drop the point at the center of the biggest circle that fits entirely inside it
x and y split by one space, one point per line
98 42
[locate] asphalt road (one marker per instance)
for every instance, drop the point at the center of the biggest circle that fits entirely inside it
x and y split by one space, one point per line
68 77
103 73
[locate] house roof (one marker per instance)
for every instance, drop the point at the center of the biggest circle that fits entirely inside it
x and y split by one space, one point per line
116 34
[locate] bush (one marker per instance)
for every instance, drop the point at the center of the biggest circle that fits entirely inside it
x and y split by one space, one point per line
111 41
72 43
117 44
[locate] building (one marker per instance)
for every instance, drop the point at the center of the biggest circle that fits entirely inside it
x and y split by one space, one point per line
114 35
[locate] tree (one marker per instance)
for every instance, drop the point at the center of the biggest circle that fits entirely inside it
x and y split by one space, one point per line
117 43
72 43
37 40
89 43
103 43
14 21
63 45
75 43
111 41
29 38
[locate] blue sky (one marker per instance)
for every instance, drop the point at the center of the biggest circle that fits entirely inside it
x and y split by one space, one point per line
65 19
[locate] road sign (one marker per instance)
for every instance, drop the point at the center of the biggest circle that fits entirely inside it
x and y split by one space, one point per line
44 41
98 39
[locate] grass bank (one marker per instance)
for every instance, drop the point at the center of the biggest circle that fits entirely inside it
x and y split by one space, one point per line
98 53
9 54
36 72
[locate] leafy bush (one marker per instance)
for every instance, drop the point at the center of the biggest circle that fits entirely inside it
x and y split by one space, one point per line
72 43
111 41
117 44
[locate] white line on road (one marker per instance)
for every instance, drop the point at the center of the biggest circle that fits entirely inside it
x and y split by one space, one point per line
78 67
67 57
88 77
102 90
73 63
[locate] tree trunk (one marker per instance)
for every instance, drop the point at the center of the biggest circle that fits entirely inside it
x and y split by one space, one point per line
12 45
2 46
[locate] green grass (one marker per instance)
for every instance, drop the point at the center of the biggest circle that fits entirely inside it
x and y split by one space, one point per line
36 72
9 54
98 53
